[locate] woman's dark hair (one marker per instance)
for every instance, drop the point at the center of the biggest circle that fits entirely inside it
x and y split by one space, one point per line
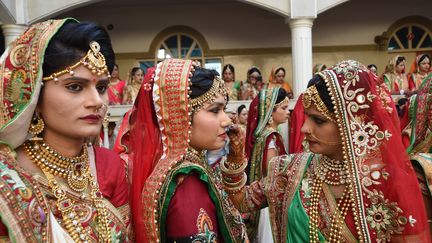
281 95
281 68
424 56
372 65
71 43
134 70
231 67
320 85
240 109
202 81
253 70
400 59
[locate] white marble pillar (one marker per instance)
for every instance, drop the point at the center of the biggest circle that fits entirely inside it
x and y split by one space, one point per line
12 31
301 44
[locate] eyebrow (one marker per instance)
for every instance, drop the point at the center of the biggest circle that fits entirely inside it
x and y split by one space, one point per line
315 115
74 78
217 104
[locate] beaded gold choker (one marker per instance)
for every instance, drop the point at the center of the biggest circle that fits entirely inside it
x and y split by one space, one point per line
218 88
310 96
94 60
73 169
332 172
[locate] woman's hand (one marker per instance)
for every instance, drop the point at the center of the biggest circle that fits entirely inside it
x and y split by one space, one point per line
236 146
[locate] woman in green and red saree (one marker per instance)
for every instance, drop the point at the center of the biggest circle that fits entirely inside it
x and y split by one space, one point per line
357 185
177 196
418 139
54 186
394 77
263 142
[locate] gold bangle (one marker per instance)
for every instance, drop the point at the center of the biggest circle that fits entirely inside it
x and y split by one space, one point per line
236 183
229 171
237 188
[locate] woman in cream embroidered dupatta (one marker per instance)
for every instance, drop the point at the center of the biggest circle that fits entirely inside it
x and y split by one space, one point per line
54 186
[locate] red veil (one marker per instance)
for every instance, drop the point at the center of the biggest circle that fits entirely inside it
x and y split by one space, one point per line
159 139
385 184
252 123
296 122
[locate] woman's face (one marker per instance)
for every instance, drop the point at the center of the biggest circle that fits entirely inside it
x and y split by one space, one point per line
280 77
424 65
208 126
243 116
74 106
400 68
228 75
373 70
281 114
321 134
138 76
253 78
115 73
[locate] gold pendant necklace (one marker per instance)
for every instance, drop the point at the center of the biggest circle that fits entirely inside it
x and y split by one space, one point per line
78 178
71 168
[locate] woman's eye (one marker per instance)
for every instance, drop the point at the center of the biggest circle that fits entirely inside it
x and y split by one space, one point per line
319 120
215 110
74 87
102 88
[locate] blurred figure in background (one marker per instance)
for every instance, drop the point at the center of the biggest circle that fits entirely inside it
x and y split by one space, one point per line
277 79
233 87
419 70
136 77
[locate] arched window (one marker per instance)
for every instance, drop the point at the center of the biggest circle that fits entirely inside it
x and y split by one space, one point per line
180 45
410 37
409 34
181 42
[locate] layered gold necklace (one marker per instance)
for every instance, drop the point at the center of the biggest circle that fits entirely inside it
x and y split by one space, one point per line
332 172
77 174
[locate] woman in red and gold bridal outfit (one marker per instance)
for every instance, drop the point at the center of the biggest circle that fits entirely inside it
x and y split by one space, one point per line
177 195
54 186
357 185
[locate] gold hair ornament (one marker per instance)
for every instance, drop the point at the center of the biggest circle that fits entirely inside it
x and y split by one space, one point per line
310 96
218 88
283 102
228 69
94 60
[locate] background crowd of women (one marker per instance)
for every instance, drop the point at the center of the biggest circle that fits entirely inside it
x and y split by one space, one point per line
189 173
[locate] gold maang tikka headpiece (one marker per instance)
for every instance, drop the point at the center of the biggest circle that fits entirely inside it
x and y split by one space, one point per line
94 60
218 88
311 95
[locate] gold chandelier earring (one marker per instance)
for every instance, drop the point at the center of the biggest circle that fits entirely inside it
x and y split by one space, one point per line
37 125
